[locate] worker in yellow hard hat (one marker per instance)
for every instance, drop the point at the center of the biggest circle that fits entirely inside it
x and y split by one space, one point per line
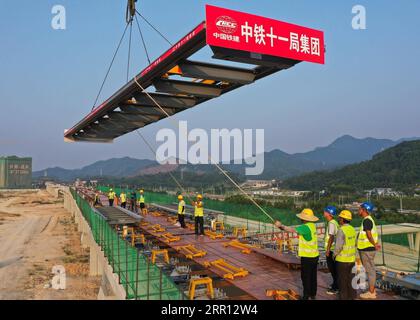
308 251
199 215
181 211
123 199
111 197
345 256
142 202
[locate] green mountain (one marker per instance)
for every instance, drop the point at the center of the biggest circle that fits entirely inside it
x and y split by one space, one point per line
116 167
277 164
397 167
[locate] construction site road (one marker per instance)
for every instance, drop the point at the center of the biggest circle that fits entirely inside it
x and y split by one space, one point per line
36 234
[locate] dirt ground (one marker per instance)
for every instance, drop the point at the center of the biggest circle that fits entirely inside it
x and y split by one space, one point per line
37 233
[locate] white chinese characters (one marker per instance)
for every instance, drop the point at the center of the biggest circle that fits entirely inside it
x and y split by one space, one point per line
301 43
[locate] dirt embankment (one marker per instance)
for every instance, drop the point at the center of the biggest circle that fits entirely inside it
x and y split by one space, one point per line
36 234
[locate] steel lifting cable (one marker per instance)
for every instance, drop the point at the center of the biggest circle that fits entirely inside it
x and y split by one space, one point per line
129 49
211 160
153 27
137 131
170 173
110 66
142 40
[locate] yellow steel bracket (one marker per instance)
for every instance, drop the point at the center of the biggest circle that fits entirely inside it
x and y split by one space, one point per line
169 237
213 235
135 237
245 248
172 220
231 272
156 214
163 252
190 226
239 231
218 224
126 231
190 251
288 244
208 282
156 228
282 294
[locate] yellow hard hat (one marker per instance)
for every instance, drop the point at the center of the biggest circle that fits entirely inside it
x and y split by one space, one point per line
141 191
180 197
345 214
307 215
110 189
199 196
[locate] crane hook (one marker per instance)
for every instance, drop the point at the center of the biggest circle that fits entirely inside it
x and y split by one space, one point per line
131 10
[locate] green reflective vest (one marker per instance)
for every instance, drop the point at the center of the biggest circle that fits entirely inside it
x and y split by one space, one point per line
111 195
141 199
309 249
199 211
348 253
362 240
181 206
327 236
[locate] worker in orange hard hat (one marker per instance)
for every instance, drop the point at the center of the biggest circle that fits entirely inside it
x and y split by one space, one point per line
181 211
308 251
199 215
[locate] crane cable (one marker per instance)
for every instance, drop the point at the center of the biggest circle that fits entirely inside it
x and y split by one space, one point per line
154 28
211 160
110 66
176 125
129 22
137 131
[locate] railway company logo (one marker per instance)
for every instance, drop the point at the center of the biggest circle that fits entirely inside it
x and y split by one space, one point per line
226 24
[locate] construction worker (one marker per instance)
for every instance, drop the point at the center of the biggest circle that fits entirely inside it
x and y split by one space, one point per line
142 202
199 215
96 201
308 251
133 199
181 211
367 244
345 256
329 243
123 199
111 197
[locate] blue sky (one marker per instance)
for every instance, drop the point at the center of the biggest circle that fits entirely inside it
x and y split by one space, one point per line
369 85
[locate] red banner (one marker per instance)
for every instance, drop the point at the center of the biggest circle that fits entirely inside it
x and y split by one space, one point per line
242 31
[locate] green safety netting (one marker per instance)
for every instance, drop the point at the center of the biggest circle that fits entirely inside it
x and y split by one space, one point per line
140 278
